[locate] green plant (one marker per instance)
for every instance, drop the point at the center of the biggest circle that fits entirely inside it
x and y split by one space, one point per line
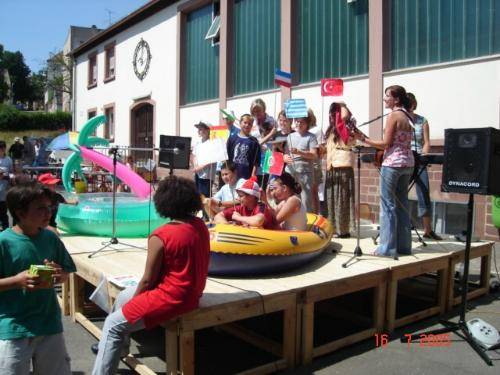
15 120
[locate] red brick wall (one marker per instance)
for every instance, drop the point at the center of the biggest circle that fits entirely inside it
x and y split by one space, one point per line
483 227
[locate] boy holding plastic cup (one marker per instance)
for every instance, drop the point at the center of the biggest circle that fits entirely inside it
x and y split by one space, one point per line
32 259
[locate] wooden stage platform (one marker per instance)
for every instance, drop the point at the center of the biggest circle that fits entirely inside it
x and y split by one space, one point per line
298 297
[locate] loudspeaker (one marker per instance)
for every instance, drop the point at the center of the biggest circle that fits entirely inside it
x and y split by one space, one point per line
174 152
471 161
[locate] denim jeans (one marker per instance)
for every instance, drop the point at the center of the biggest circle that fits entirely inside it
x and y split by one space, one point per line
203 186
395 228
422 187
115 337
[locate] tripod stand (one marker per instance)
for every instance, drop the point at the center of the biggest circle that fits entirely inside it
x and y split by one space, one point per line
357 250
113 240
461 325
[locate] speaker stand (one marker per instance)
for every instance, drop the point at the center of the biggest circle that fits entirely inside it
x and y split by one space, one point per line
461 326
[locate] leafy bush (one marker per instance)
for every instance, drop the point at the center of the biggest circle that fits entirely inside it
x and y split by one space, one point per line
15 120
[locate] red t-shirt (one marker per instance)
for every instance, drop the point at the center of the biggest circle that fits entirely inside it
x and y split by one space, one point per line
186 253
260 208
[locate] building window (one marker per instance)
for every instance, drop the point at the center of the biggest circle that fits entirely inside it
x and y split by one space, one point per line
257 44
109 66
446 217
429 32
109 127
213 31
92 73
332 37
201 58
90 114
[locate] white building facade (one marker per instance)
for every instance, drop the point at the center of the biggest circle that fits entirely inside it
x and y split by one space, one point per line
447 55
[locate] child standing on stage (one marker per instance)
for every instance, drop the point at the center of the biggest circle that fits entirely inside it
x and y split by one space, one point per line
264 126
244 150
422 145
340 190
174 277
30 318
301 151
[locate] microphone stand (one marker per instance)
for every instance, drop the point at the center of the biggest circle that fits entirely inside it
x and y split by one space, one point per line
113 240
357 250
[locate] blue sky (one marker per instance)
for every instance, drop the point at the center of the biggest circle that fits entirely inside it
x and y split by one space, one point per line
39 27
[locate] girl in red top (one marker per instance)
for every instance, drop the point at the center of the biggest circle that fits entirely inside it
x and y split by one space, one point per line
174 277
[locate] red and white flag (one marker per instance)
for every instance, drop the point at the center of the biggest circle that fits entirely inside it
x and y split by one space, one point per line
332 87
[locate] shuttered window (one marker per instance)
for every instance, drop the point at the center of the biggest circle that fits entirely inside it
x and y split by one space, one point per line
202 59
434 31
332 39
256 44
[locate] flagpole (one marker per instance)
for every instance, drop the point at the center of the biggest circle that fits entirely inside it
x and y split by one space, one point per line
322 111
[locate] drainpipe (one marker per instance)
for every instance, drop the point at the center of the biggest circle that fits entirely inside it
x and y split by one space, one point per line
73 93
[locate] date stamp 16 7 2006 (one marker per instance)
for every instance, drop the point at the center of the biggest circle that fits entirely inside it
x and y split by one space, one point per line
423 341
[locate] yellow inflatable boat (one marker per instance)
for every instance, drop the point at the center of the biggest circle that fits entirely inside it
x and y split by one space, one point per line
238 251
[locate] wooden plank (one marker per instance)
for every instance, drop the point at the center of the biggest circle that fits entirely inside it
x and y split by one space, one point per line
65 302
415 317
172 350
186 352
450 287
392 293
137 366
87 324
77 295
307 342
345 286
298 329
415 269
289 335
235 311
471 295
345 341
485 270
379 302
253 338
268 368
441 288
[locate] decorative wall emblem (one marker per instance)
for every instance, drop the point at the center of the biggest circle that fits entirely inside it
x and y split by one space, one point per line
142 59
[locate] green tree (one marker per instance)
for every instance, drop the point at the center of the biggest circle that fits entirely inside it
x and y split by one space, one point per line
19 74
59 73
3 85
38 82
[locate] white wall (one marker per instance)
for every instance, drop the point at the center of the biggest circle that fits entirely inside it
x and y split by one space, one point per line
159 31
207 113
355 96
457 96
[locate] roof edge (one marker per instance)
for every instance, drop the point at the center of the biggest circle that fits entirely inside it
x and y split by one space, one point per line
133 18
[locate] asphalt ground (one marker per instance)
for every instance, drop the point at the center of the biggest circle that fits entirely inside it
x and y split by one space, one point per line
219 353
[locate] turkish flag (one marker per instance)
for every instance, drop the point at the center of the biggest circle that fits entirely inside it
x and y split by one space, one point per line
341 128
332 87
277 164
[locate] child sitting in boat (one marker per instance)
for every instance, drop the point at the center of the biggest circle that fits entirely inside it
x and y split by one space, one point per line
226 197
290 212
250 212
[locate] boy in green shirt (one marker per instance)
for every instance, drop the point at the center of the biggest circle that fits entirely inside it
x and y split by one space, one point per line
30 317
